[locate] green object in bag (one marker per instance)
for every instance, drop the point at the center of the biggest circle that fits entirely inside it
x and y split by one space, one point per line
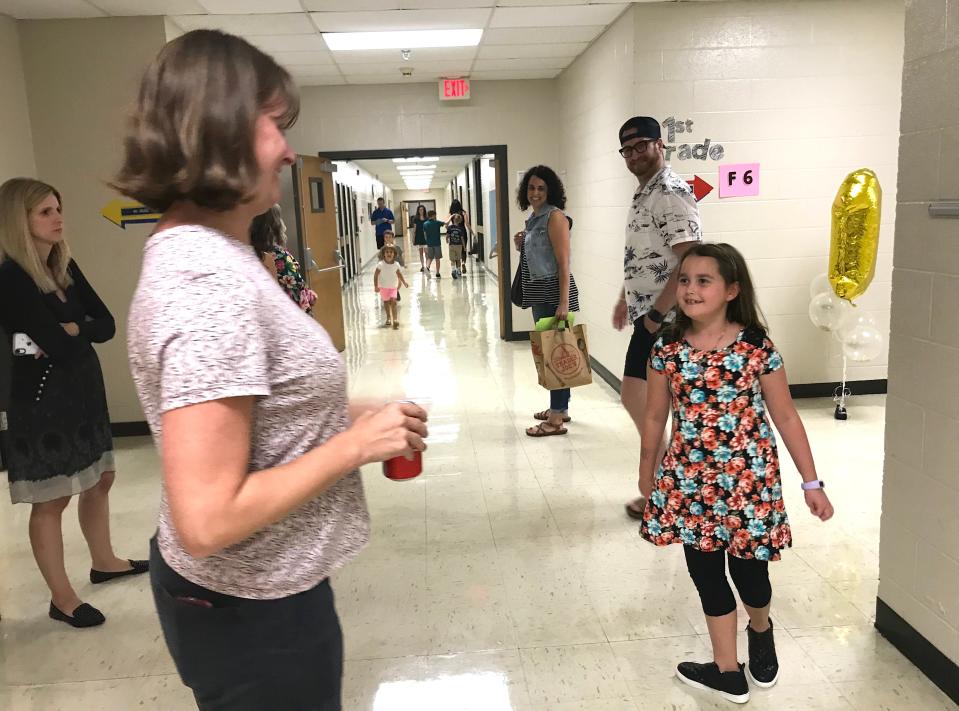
548 323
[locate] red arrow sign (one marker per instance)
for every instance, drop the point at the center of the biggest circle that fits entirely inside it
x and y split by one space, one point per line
700 187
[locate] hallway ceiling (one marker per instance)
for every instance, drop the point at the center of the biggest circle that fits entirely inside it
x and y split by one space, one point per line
522 39
388 173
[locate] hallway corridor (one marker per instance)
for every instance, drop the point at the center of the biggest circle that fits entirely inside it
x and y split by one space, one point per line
507 576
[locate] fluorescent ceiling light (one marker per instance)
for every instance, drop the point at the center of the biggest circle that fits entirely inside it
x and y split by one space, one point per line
401 39
431 159
415 168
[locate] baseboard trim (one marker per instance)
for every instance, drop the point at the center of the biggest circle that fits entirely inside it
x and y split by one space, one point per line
856 387
129 429
942 671
517 336
805 390
606 374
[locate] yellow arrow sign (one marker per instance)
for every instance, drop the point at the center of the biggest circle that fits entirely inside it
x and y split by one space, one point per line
129 212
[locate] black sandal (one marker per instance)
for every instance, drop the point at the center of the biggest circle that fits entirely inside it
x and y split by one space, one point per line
84 616
137 567
636 513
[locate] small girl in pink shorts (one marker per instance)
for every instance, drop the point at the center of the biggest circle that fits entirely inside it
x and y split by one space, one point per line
386 283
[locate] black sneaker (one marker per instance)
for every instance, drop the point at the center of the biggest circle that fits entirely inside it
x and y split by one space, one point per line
763 667
731 686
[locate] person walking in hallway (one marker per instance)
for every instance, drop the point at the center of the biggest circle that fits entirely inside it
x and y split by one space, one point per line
663 223
718 490
419 236
382 218
456 208
59 425
245 394
545 272
434 243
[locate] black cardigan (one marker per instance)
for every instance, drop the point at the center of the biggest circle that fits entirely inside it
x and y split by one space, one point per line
25 309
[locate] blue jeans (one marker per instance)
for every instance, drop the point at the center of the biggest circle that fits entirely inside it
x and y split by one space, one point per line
558 399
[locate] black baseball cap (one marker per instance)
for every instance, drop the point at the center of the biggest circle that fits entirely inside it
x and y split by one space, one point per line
639 127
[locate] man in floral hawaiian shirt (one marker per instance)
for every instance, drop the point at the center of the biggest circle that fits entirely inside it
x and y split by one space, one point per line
663 222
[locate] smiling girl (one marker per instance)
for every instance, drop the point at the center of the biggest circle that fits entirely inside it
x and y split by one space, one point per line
718 490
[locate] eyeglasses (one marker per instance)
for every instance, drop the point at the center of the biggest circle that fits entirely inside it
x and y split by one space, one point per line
636 148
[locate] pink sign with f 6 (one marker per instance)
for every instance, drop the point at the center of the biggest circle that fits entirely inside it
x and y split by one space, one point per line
739 180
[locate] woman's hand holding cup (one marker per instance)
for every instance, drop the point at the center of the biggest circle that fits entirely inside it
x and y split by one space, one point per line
396 430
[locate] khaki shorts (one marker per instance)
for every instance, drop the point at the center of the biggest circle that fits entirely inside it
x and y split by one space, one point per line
456 252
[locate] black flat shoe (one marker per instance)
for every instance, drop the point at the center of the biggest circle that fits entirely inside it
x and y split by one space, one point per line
138 567
84 616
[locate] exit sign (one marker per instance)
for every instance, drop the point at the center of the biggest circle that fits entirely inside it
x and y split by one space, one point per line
454 89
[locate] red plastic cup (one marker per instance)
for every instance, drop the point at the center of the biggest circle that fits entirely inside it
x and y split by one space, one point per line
403 469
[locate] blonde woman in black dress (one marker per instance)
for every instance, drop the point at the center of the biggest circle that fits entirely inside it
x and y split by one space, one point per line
59 427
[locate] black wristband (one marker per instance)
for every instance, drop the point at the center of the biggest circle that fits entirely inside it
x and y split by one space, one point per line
655 316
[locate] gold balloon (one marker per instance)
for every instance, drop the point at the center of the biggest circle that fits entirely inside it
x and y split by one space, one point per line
855 234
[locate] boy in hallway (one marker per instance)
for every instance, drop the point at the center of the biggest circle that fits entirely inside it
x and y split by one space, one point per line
456 239
389 240
434 243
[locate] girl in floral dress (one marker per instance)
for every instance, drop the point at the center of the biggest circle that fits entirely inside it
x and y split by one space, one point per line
718 490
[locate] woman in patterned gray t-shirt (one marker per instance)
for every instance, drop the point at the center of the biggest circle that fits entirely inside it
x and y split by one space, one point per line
244 393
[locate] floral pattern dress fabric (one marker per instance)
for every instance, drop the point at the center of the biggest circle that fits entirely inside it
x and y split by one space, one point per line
290 276
719 484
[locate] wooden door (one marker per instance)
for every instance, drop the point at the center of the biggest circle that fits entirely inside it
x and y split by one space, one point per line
324 264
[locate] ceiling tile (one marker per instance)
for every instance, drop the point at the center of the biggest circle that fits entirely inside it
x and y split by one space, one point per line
543 35
320 81
541 3
529 63
250 7
48 9
507 51
307 70
121 8
555 16
291 58
452 68
352 5
385 79
400 20
445 4
290 43
501 75
426 54
250 25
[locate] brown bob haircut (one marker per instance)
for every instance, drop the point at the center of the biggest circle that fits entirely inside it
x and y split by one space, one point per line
190 135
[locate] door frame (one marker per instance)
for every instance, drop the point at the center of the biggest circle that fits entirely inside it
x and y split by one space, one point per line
499 152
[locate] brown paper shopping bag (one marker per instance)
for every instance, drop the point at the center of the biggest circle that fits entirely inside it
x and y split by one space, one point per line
561 356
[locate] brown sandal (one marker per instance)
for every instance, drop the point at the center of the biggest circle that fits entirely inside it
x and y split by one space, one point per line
544 415
541 430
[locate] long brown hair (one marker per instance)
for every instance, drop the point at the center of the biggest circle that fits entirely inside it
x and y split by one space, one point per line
18 197
744 309
191 132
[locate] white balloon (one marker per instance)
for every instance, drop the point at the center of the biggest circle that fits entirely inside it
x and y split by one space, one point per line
863 342
850 321
827 311
819 285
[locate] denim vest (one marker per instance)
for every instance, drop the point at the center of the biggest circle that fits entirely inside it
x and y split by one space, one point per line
539 250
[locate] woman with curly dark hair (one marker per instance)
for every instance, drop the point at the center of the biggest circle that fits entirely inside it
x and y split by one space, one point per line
548 284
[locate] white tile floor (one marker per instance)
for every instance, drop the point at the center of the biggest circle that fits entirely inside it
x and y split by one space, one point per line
507 577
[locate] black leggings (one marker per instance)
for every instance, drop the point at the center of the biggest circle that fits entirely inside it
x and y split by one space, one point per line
708 571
